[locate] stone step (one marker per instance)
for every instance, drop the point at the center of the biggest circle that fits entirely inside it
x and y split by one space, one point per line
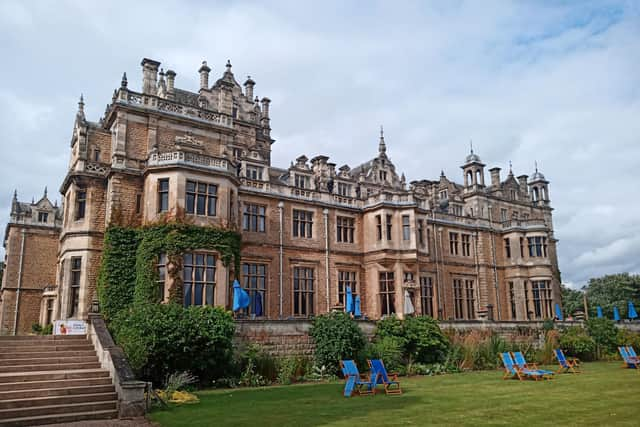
4 338
45 354
56 390
83 381
57 400
7 415
45 348
15 377
49 360
52 367
59 418
42 343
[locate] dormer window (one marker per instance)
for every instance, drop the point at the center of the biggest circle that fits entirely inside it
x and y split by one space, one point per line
513 195
302 181
344 189
43 216
254 172
444 194
383 175
236 153
235 112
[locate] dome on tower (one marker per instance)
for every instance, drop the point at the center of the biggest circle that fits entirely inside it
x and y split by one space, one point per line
473 157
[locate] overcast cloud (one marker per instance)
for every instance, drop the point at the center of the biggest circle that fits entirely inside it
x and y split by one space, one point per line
526 81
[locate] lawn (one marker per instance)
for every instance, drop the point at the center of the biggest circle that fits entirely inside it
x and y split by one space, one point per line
604 394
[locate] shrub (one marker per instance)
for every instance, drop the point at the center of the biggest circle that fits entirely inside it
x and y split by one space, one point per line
336 337
424 341
160 339
390 349
38 329
551 342
420 338
261 363
287 368
626 337
605 334
576 342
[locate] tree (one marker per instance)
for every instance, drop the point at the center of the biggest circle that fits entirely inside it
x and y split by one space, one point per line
572 300
613 290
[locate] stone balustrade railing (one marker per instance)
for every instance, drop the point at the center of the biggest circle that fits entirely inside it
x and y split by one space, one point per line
189 159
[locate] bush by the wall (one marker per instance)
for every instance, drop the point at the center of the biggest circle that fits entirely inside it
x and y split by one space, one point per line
605 334
421 338
336 337
390 349
160 339
576 342
626 337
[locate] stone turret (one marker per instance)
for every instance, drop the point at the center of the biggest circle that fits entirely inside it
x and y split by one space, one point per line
204 75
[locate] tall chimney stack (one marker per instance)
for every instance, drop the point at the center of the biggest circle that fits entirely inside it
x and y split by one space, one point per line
248 88
495 176
204 75
522 179
171 79
149 76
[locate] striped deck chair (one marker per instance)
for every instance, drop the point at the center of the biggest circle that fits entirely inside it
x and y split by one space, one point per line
354 381
632 352
519 360
629 361
390 381
566 365
512 371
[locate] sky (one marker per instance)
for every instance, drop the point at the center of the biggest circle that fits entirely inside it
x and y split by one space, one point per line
555 82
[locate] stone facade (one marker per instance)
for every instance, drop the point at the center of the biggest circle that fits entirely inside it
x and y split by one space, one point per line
31 244
476 250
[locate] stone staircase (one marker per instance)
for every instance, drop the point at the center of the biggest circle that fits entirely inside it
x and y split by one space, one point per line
52 379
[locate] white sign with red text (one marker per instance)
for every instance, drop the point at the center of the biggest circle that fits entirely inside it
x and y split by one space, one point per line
69 327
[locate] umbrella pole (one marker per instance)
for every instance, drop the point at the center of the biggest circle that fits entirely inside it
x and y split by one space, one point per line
586 311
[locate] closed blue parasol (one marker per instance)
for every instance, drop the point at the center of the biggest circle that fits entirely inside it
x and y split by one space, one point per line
631 312
599 312
348 304
257 304
240 297
616 314
559 312
356 311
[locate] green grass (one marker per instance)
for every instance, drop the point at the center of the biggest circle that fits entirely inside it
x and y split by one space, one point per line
604 394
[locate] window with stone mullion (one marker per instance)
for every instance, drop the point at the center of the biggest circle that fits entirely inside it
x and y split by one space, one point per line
303 291
198 278
201 198
387 293
346 278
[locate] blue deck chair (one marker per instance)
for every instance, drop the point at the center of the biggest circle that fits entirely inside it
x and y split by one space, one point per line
354 381
389 381
519 360
566 365
513 371
629 361
631 352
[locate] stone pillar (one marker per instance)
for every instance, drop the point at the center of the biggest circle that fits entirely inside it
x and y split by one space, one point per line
495 176
171 78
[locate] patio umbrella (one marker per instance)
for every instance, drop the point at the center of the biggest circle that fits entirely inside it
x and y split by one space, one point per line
348 304
240 297
356 311
408 305
631 312
599 311
559 312
616 314
257 304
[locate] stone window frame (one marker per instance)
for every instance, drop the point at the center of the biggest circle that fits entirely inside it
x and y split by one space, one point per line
465 244
512 299
453 242
386 292
80 203
464 298
161 283
261 288
537 246
388 226
208 279
427 298
251 212
343 189
302 181
406 227
507 247
163 194
254 172
379 226
302 223
346 277
345 229
306 295
541 298
209 194
43 216
75 284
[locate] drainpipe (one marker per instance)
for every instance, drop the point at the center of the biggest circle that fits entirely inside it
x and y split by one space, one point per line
281 255
435 247
15 319
475 249
325 213
495 268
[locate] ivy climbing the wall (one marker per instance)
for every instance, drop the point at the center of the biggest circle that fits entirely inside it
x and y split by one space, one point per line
128 274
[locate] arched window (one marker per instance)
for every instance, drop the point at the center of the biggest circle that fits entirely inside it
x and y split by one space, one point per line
535 193
469 178
478 177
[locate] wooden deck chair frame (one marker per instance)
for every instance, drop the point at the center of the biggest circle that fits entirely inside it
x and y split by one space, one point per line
390 381
628 361
359 380
570 364
516 372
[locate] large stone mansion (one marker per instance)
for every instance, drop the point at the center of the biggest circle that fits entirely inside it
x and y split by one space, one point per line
475 250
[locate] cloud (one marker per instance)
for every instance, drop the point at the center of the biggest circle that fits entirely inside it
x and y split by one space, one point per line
556 83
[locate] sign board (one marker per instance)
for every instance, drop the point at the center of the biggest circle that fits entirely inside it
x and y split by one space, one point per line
69 327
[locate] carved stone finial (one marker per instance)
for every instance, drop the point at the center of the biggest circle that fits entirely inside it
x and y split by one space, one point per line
382 147
15 195
123 82
80 113
45 192
228 65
